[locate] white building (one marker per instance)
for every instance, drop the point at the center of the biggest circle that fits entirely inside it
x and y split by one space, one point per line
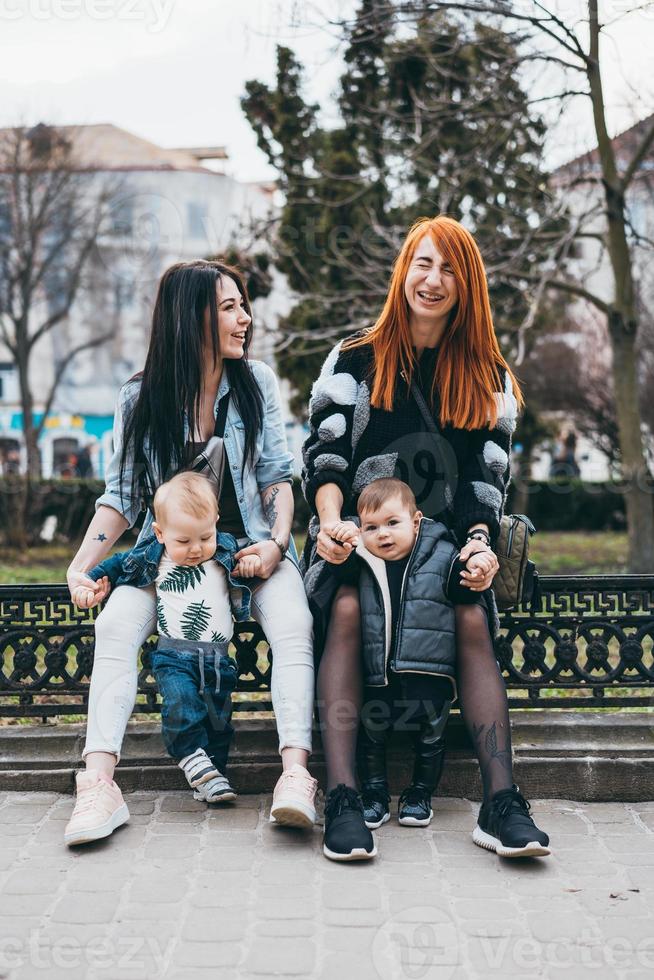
169 205
579 183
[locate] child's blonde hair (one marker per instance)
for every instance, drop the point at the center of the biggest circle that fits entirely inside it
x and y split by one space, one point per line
189 492
378 492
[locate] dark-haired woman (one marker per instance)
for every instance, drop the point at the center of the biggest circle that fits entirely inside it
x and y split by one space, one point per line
435 331
197 382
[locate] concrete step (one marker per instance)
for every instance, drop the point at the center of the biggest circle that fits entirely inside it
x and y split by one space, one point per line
584 755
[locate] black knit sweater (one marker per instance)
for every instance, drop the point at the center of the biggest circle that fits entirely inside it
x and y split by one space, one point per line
351 443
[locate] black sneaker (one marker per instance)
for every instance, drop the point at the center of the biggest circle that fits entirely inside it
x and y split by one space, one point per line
346 836
504 826
376 809
414 808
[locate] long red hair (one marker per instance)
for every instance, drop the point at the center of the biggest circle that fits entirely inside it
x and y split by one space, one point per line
467 368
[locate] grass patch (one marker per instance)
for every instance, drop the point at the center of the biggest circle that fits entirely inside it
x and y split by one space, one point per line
580 552
555 553
44 565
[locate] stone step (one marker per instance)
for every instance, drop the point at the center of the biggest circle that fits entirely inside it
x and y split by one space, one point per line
584 755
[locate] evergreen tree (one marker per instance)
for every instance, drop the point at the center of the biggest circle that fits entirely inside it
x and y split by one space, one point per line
254 266
433 120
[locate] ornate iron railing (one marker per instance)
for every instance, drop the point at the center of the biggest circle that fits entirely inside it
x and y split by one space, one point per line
589 643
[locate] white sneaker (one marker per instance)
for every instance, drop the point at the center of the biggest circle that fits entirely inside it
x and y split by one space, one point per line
216 790
99 809
293 798
198 768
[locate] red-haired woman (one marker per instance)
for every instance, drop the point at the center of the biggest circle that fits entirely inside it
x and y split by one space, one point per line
435 332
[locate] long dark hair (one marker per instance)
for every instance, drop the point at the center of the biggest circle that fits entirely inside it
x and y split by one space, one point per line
171 381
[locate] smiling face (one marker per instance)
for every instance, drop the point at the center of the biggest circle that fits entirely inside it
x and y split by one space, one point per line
188 540
389 531
430 287
233 320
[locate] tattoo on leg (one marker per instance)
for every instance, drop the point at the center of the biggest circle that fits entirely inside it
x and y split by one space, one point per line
269 509
503 756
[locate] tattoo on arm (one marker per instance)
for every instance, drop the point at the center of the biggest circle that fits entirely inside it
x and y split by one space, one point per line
101 537
269 509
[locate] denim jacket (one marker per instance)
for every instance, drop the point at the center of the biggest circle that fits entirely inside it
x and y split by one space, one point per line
272 461
139 567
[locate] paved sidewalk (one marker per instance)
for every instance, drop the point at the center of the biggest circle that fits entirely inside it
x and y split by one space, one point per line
184 892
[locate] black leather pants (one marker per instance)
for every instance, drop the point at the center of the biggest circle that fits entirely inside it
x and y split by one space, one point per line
417 704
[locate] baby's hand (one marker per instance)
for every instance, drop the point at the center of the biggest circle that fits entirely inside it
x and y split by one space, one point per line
86 598
248 566
346 532
478 566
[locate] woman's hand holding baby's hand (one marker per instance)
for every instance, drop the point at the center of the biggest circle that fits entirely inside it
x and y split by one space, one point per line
260 559
481 566
89 593
248 567
346 533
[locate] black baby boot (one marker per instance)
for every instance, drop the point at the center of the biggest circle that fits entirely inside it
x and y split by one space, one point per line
372 773
414 808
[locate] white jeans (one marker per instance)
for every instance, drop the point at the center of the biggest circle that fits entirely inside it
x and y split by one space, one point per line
279 605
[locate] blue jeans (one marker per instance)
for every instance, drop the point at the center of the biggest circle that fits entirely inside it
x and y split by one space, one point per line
197 698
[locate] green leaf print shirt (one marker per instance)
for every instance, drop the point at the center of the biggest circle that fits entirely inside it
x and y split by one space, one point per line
193 601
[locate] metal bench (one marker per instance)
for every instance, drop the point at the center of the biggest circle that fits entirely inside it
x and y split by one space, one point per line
589 644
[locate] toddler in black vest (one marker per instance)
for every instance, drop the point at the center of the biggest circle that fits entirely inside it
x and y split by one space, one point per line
409 581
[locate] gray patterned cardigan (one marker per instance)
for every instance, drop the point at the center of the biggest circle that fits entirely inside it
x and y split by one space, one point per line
348 440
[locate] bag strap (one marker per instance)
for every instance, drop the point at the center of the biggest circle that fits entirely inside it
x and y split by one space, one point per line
221 416
419 399
219 430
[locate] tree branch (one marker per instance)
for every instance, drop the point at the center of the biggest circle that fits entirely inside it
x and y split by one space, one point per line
71 291
96 342
500 10
567 287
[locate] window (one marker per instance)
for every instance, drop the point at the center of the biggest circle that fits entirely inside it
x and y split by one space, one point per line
5 219
8 382
57 283
64 456
123 294
9 456
637 214
196 220
122 218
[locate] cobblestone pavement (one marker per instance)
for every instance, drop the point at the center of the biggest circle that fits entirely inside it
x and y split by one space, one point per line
185 892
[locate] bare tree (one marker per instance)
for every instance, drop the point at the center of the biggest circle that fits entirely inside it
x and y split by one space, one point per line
574 46
569 370
51 216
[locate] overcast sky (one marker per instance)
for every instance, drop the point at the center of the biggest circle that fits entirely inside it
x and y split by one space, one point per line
173 71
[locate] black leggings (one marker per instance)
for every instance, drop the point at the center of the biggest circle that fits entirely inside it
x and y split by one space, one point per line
482 693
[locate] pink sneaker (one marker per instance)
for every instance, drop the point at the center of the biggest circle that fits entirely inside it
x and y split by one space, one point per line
293 798
99 809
